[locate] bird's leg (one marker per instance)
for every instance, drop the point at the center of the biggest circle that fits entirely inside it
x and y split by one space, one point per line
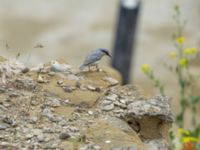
89 68
97 68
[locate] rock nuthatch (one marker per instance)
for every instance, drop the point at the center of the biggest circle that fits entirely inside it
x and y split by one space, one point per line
94 57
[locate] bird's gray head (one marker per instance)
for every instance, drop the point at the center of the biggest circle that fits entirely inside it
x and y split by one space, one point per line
105 51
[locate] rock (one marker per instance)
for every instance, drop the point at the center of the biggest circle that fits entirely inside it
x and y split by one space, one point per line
108 107
118 111
125 148
36 131
10 121
111 81
151 117
94 113
41 138
41 79
51 145
64 136
91 88
3 126
60 82
3 108
53 118
108 142
158 144
73 129
112 97
158 106
122 101
65 102
2 90
106 102
63 122
90 146
33 120
57 67
25 70
90 112
119 123
47 112
117 103
29 135
53 102
68 88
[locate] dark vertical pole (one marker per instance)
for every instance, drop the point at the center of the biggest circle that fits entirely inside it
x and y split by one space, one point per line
124 38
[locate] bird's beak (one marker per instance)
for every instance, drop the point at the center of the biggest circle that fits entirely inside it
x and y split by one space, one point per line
109 55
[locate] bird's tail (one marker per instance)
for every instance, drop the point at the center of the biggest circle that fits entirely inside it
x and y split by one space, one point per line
82 67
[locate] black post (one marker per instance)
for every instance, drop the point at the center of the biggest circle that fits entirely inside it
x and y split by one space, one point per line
124 38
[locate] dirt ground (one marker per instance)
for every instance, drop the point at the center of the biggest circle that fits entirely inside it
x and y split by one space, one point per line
70 29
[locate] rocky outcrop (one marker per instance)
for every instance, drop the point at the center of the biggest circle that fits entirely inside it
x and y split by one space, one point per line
54 106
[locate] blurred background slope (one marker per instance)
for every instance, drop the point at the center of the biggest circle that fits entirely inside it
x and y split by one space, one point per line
69 29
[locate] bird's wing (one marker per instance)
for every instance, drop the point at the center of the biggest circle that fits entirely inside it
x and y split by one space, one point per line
91 58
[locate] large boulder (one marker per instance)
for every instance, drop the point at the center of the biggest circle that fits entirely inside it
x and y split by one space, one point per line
55 106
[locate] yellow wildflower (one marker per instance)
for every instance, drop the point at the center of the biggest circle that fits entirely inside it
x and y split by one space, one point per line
172 54
189 139
181 131
183 62
146 68
180 40
194 50
190 51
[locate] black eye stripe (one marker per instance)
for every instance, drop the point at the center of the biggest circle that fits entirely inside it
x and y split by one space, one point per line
106 52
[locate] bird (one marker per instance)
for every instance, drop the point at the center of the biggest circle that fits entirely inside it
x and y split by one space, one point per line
93 57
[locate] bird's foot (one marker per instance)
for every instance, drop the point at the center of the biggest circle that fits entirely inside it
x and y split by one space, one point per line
97 68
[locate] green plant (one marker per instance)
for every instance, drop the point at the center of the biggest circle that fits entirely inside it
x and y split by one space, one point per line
182 57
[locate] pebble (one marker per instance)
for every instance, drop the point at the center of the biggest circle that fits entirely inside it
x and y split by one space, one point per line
60 82
112 97
63 122
56 67
68 88
29 135
125 148
53 102
3 126
111 81
41 138
106 102
55 119
64 136
91 88
25 70
122 101
3 108
40 79
8 120
65 102
117 103
108 107
46 112
108 142
37 131
90 112
73 129
2 90
51 145
117 111
33 120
